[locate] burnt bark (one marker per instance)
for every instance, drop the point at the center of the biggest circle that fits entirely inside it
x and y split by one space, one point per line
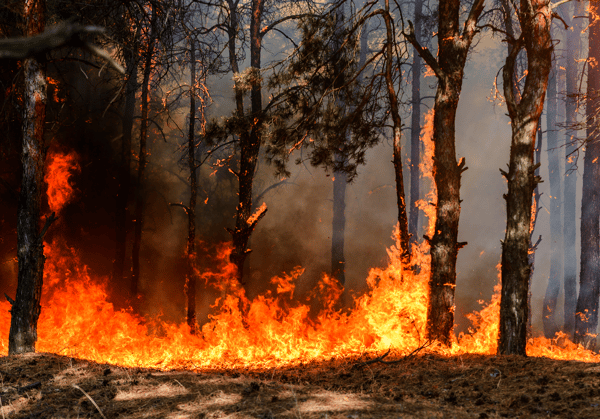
586 311
143 156
570 175
549 318
415 130
535 20
30 249
249 141
453 47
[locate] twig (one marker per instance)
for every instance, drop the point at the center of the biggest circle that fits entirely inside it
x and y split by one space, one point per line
90 399
404 358
49 221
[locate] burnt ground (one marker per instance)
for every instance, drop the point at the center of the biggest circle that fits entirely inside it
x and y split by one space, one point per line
423 386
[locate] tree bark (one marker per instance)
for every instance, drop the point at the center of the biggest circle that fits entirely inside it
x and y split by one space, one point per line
143 155
570 176
453 47
30 249
586 312
415 131
249 141
535 20
549 318
122 199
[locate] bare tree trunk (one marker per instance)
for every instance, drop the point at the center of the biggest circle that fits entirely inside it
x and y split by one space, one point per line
570 220
30 249
549 318
122 199
143 155
338 261
453 47
249 144
191 212
535 19
415 131
586 317
403 235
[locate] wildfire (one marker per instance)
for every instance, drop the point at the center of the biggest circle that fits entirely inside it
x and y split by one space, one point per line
59 169
272 330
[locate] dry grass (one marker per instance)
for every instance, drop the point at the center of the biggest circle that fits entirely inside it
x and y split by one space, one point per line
49 386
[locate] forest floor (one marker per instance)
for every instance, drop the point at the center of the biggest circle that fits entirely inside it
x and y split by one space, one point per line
421 386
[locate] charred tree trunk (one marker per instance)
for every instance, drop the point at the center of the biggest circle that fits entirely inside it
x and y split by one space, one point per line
191 212
143 155
30 249
122 199
570 176
586 312
415 131
249 141
453 47
535 20
403 235
555 175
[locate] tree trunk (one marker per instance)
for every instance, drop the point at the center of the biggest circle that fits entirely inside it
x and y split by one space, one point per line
555 202
30 249
586 317
415 131
535 19
191 212
570 219
453 47
143 155
249 144
122 199
403 235
338 261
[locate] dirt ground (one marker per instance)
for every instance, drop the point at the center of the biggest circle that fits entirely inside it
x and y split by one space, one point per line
423 386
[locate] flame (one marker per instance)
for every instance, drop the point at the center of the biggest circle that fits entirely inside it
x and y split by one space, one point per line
272 330
59 169
428 205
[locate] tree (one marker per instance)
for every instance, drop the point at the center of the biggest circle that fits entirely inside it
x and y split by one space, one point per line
246 125
26 307
586 312
570 175
148 55
549 316
453 48
415 128
535 17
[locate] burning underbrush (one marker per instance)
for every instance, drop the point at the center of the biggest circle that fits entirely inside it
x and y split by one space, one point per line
272 330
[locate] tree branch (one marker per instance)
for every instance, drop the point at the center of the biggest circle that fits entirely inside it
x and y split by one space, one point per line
64 34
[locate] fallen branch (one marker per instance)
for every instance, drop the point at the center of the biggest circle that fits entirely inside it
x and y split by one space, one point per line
66 33
404 358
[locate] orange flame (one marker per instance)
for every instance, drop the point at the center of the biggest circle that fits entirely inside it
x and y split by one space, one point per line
59 169
78 320
272 330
